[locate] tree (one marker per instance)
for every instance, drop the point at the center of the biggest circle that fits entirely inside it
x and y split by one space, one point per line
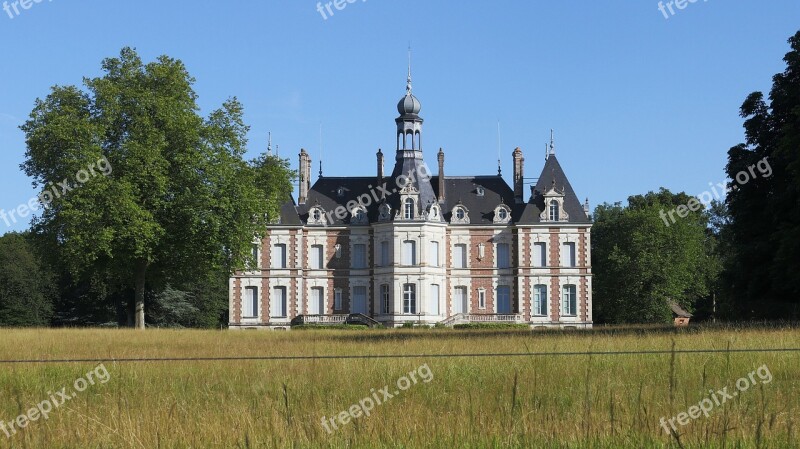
26 287
765 219
641 261
161 192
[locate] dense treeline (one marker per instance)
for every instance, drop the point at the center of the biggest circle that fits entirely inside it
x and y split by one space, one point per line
736 260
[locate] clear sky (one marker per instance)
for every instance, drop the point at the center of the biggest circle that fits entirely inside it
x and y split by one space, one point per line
637 100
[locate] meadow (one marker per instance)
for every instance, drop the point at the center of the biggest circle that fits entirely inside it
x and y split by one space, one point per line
532 401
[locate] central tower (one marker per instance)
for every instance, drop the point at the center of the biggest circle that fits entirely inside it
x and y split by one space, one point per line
409 160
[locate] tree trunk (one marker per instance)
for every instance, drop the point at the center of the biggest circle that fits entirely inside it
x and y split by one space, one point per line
141 271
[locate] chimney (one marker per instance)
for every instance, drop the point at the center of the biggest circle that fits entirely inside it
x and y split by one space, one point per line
380 165
519 179
305 176
441 175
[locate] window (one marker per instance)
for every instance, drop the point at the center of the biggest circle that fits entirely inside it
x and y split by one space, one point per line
503 299
460 300
316 306
384 253
569 301
433 308
316 257
540 300
279 256
460 214
359 255
409 252
385 298
568 254
553 210
481 299
408 210
540 254
255 263
279 302
337 299
503 256
316 214
361 216
480 191
359 304
250 302
409 298
460 256
502 214
434 256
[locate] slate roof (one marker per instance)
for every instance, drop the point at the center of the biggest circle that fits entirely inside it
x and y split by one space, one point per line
464 189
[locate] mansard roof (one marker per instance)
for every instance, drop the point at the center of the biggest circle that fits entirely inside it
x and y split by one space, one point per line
331 192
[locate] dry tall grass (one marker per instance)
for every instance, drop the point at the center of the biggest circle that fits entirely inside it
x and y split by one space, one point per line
602 401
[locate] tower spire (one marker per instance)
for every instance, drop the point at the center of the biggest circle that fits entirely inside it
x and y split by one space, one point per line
269 144
408 80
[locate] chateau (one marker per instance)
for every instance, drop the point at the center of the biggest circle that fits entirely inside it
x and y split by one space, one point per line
414 245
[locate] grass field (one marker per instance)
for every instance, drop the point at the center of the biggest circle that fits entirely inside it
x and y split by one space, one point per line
566 401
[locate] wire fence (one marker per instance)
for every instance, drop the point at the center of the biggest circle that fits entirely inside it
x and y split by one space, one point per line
400 356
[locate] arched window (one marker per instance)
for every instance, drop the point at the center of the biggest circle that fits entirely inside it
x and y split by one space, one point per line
553 210
460 213
502 213
409 209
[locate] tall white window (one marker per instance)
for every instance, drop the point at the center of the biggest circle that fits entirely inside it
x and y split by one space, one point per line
481 299
540 300
316 305
250 302
540 254
460 256
408 209
385 299
554 210
434 255
433 307
279 302
316 257
568 254
460 300
337 299
279 256
503 255
385 253
569 301
359 255
409 252
503 299
409 298
359 304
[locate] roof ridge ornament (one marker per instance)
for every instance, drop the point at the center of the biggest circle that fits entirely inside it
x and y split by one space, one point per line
408 81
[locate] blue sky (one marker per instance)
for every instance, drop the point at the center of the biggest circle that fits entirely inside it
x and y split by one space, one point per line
637 101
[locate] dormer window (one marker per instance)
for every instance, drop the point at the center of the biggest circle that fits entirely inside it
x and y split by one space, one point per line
408 209
384 212
554 213
460 215
359 215
316 216
480 191
502 214
340 192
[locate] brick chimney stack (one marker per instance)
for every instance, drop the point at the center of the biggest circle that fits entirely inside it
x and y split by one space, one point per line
305 176
519 179
440 157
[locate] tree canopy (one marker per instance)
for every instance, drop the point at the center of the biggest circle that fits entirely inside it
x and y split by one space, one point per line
159 193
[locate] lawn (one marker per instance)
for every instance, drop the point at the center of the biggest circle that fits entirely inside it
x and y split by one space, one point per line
555 401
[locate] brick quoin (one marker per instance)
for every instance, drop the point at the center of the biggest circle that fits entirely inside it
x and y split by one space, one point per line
237 300
555 261
583 297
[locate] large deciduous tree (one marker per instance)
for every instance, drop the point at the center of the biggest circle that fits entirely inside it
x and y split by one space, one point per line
765 218
177 198
641 262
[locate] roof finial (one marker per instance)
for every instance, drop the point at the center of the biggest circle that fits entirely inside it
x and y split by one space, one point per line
408 81
320 168
269 145
552 143
546 151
